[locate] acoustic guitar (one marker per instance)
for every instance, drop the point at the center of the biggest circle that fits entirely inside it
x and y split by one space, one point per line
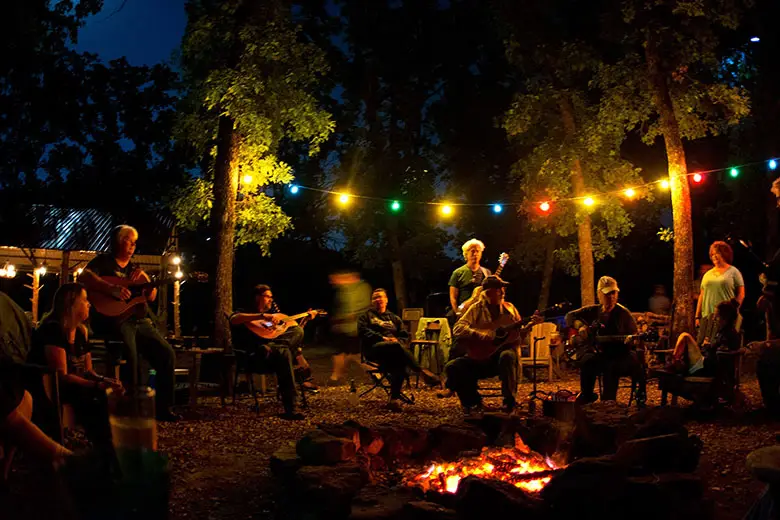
578 346
267 329
503 258
109 306
507 332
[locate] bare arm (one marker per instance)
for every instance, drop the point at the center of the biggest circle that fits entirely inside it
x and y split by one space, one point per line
698 305
240 318
740 297
454 292
95 283
56 359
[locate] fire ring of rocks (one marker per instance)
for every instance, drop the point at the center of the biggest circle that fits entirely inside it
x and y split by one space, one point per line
606 463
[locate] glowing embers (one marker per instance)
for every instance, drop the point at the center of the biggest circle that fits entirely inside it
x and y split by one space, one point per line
517 465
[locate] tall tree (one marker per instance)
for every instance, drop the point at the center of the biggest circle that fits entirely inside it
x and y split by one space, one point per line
249 74
565 152
667 83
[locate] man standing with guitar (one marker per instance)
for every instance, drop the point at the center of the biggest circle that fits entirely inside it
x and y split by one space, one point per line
249 332
489 352
113 275
612 357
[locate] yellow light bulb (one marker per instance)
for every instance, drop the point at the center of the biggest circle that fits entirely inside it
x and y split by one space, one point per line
446 209
178 274
247 179
589 201
665 184
344 199
176 260
629 193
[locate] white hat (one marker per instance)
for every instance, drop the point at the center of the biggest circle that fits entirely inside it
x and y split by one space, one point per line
607 284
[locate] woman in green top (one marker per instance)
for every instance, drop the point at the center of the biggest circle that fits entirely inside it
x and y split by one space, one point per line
721 283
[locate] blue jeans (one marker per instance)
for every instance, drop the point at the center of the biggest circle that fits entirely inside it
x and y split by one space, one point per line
140 336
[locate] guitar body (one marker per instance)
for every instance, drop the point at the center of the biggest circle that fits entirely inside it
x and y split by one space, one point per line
482 349
578 346
111 307
266 329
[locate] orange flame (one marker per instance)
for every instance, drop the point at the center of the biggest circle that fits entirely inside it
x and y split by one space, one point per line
509 464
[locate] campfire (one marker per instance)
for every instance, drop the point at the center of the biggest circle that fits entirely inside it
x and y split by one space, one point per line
517 465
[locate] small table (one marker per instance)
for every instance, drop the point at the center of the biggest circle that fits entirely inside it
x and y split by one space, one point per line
195 356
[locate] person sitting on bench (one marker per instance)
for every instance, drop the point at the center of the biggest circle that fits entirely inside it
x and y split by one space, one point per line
381 333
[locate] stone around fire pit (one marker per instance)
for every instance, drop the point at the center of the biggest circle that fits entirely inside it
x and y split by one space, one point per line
448 440
665 453
428 511
477 496
318 447
285 462
328 490
374 503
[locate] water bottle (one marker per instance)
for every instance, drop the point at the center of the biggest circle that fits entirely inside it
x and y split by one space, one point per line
353 395
152 378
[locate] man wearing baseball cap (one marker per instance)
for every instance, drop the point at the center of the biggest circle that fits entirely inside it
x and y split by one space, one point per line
610 358
487 355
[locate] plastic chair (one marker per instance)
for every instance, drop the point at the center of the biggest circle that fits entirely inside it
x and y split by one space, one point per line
543 357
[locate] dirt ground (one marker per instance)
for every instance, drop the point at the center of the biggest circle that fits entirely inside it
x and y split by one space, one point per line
220 455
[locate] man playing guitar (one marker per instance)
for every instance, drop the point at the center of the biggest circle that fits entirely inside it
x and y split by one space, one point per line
613 358
477 329
277 353
137 331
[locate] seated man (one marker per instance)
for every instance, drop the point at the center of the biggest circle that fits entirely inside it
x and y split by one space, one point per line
610 358
381 333
487 355
137 332
276 354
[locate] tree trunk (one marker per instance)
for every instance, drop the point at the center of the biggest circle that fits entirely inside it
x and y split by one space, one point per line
584 235
223 218
678 182
547 272
399 282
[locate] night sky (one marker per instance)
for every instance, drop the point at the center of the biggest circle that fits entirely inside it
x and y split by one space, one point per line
146 31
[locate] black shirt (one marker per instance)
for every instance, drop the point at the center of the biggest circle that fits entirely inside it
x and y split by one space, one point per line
617 322
373 327
105 265
50 333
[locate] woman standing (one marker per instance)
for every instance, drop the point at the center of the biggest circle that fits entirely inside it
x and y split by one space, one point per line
61 343
721 283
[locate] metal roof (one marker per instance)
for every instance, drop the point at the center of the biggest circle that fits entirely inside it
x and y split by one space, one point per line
71 229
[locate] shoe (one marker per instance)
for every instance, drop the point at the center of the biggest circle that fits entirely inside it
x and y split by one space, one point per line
292 416
395 405
446 394
430 378
168 416
310 387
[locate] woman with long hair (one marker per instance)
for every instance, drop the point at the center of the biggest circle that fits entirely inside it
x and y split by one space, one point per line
61 342
721 283
701 359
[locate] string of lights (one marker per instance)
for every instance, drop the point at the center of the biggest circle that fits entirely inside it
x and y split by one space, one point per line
344 198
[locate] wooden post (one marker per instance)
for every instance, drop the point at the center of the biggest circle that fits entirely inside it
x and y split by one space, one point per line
65 268
36 287
176 315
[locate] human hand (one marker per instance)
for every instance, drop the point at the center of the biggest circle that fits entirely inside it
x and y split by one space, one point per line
121 293
698 322
312 314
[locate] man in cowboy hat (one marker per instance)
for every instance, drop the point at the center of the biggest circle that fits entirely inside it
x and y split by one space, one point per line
488 354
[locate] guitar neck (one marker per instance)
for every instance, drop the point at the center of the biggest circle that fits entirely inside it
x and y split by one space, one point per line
296 316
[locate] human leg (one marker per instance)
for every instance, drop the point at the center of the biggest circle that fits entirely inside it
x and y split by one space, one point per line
153 346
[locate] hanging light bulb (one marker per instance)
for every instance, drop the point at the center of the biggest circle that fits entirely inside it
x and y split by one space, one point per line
41 270
629 192
544 207
395 206
697 178
176 260
247 179
589 201
772 164
344 199
734 173
178 274
665 184
497 208
294 189
446 210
